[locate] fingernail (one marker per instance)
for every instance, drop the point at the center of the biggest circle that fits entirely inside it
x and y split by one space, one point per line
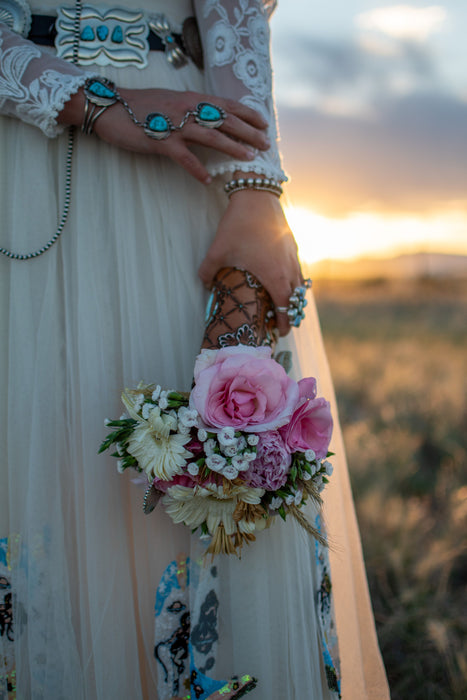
267 143
250 154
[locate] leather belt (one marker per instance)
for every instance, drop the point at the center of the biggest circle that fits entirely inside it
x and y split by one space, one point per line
43 32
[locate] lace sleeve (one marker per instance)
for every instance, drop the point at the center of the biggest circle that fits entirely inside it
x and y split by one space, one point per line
34 85
235 37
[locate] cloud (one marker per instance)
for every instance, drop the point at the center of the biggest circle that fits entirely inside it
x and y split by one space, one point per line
404 21
412 157
349 77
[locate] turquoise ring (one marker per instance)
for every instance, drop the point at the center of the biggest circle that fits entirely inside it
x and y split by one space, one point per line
158 126
296 309
209 115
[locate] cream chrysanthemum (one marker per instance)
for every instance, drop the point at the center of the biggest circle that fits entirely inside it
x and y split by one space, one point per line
158 451
210 504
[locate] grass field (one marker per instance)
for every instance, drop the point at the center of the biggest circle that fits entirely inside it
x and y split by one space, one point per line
398 354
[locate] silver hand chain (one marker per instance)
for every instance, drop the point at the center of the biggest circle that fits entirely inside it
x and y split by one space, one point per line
68 163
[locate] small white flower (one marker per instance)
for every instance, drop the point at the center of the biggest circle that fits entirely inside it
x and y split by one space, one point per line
306 476
253 439
120 468
289 500
202 435
310 456
298 497
120 449
216 462
193 469
249 456
147 408
107 421
156 393
139 400
209 447
123 416
163 403
240 463
319 482
230 450
241 443
226 437
328 467
188 416
183 429
230 472
275 503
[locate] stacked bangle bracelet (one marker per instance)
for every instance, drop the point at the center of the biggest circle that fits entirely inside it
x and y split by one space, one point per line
264 184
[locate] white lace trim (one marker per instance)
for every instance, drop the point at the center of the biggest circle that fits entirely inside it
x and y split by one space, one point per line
35 93
68 87
236 45
246 167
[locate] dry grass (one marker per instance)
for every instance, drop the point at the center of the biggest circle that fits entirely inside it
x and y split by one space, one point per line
398 355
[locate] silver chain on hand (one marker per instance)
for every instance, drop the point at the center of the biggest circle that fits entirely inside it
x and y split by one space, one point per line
68 162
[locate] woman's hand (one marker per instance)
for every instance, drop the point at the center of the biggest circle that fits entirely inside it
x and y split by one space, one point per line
243 130
254 235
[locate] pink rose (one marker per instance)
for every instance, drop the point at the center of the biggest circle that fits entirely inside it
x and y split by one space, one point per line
242 387
310 427
269 469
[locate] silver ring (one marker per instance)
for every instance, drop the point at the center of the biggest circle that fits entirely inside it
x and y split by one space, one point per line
297 302
206 114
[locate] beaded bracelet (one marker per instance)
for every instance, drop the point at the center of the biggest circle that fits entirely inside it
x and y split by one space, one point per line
264 184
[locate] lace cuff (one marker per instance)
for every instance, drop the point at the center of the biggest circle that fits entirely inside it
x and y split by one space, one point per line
34 85
235 37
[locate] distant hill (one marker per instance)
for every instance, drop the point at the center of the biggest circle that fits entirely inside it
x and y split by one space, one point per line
408 266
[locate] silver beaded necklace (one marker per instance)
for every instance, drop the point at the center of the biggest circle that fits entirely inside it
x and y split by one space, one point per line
68 163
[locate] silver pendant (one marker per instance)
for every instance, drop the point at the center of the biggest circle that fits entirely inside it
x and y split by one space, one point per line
159 24
16 15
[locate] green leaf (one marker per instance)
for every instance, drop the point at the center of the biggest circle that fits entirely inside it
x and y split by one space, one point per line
281 512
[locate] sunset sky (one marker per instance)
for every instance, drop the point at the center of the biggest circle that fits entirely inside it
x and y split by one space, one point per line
372 102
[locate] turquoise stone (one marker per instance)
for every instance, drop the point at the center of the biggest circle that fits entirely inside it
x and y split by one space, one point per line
169 39
209 113
101 90
102 32
87 34
158 123
117 35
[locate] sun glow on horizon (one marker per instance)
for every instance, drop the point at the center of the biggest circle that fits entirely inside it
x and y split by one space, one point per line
372 235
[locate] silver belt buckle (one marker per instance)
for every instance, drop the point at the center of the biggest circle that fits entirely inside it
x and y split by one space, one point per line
16 15
115 37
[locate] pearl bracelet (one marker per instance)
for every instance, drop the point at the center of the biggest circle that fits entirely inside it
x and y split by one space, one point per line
264 184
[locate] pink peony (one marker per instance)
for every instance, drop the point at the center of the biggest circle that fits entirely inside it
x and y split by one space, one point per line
244 388
179 479
269 469
310 427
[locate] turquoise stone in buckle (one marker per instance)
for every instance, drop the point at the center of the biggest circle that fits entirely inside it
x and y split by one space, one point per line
158 126
209 115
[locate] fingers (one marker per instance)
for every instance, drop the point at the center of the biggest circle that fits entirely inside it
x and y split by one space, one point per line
184 157
213 138
239 129
251 116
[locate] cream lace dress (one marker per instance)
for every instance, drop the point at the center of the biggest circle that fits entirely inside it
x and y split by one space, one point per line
96 597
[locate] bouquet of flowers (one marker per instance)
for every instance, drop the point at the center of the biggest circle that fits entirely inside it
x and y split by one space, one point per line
246 444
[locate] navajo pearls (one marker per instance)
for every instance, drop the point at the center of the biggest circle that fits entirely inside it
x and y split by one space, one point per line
68 165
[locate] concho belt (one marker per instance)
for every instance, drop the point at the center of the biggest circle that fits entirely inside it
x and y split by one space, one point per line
108 37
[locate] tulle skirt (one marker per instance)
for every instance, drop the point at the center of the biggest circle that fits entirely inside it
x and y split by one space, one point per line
96 594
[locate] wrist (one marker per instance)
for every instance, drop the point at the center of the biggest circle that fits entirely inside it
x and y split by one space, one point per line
73 110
